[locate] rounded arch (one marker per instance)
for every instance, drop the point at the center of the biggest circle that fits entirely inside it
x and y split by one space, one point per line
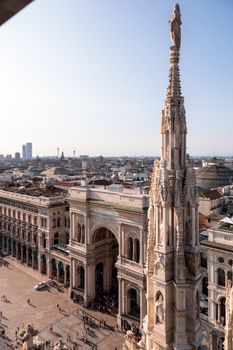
44 264
105 243
56 238
54 267
109 227
132 286
220 297
29 256
80 276
221 277
133 301
67 269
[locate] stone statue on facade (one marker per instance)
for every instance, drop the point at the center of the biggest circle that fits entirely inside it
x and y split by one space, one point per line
159 309
175 23
59 345
26 336
130 343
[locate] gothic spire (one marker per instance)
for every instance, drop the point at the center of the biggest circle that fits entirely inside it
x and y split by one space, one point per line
173 115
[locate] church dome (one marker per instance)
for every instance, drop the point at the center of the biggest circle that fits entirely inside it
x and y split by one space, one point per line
213 176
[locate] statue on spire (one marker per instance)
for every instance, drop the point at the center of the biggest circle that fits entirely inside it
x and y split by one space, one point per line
175 23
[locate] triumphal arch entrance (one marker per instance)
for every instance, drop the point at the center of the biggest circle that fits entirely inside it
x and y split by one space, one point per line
108 251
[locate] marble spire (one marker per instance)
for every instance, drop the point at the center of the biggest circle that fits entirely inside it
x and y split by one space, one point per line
173 252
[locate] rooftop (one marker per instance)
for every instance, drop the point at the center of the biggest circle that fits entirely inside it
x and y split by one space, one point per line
35 191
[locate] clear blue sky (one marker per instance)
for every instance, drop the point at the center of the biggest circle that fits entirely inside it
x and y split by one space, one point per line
91 75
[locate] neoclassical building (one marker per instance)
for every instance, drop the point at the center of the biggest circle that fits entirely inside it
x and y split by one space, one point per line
34 228
217 264
107 249
92 240
173 251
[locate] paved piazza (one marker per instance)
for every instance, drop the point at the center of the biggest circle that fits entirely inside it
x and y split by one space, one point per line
17 284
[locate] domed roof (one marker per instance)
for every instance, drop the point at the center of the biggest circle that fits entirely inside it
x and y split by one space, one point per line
55 171
214 176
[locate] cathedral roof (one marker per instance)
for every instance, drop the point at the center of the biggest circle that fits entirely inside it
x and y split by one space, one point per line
214 176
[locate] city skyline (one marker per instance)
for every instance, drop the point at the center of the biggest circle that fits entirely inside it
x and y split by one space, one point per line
93 79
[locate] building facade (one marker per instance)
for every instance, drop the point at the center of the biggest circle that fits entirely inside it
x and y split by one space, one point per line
217 263
107 250
173 251
35 230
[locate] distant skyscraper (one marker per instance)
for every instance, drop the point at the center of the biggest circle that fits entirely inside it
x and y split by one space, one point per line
28 150
24 154
9 157
17 156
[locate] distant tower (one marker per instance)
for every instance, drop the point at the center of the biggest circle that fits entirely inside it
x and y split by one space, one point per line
24 153
74 153
28 150
173 252
58 152
62 155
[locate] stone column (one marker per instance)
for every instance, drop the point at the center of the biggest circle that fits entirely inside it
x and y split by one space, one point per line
120 303
121 242
65 275
49 270
32 259
7 245
39 262
17 250
57 272
74 273
21 257
142 306
71 275
27 255
12 247
72 226
141 251
89 285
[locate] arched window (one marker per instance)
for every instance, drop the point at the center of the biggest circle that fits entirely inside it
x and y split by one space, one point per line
80 277
205 286
56 238
133 302
43 241
67 237
58 222
83 234
221 277
137 250
79 232
54 222
223 311
229 276
130 248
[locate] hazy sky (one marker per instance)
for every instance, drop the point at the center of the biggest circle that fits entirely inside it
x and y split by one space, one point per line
91 75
